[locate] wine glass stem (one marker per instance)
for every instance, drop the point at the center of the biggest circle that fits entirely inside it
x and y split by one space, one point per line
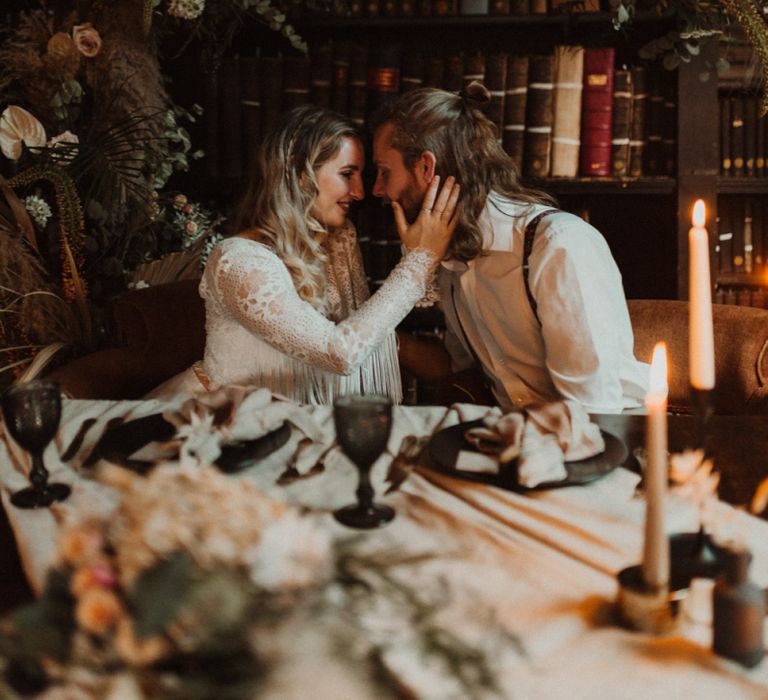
364 490
39 474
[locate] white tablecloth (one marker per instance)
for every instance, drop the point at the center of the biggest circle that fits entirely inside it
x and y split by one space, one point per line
544 564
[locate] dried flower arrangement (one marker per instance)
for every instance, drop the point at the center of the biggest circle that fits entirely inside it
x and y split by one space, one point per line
217 21
697 21
87 134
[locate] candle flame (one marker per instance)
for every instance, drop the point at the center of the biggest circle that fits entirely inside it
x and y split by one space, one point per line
658 384
699 213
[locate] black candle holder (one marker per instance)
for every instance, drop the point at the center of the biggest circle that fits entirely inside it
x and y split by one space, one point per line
642 607
693 555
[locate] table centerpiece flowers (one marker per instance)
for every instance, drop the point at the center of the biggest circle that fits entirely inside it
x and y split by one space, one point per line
199 585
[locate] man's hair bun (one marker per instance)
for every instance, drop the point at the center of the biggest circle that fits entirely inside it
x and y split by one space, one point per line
475 94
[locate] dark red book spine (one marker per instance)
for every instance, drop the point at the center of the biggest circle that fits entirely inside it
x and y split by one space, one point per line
453 78
296 81
358 83
383 78
737 135
340 79
250 108
726 164
597 110
211 117
321 75
539 116
231 134
412 76
271 90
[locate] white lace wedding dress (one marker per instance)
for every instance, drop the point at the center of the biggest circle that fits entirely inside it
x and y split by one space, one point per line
259 332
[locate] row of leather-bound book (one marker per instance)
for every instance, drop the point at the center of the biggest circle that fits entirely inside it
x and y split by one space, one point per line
742 225
450 8
742 136
568 113
742 295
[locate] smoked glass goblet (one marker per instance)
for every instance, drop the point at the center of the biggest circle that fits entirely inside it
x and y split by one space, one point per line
363 424
32 412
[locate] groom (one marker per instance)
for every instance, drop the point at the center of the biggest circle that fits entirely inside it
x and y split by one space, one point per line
532 296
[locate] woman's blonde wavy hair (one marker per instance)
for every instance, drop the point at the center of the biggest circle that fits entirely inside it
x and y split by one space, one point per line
465 144
277 206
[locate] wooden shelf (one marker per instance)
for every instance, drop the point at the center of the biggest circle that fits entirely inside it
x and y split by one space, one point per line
742 279
608 185
309 23
742 185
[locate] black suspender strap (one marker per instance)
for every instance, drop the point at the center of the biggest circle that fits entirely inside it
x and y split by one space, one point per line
464 337
530 234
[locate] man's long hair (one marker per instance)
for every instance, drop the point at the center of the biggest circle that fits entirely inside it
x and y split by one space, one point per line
277 206
466 145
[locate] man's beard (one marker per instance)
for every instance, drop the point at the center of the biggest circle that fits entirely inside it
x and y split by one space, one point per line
411 200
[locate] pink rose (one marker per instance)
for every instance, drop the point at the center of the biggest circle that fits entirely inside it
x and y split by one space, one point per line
86 39
98 574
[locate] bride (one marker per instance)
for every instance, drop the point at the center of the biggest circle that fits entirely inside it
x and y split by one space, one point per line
286 299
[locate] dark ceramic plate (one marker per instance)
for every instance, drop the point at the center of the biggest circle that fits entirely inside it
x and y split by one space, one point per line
119 443
444 448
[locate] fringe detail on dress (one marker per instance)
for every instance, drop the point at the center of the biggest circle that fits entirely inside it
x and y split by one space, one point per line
296 380
379 374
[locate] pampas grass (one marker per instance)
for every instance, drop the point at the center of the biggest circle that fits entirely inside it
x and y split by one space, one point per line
129 101
32 314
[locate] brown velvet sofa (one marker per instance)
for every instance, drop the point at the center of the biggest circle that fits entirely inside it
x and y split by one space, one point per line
741 352
160 331
156 332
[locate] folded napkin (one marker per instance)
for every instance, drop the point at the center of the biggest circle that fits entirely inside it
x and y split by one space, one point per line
207 421
541 437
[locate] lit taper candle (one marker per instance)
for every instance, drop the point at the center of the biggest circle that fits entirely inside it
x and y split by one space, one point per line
701 344
655 565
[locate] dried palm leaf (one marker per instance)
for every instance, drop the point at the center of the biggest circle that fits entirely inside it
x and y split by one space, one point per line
182 265
111 166
39 363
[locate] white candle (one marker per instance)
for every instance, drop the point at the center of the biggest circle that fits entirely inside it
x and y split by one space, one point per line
655 566
701 344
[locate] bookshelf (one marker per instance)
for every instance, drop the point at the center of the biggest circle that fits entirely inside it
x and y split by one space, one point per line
637 215
741 185
645 219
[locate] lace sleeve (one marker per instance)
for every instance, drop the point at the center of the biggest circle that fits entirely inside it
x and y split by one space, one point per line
256 288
